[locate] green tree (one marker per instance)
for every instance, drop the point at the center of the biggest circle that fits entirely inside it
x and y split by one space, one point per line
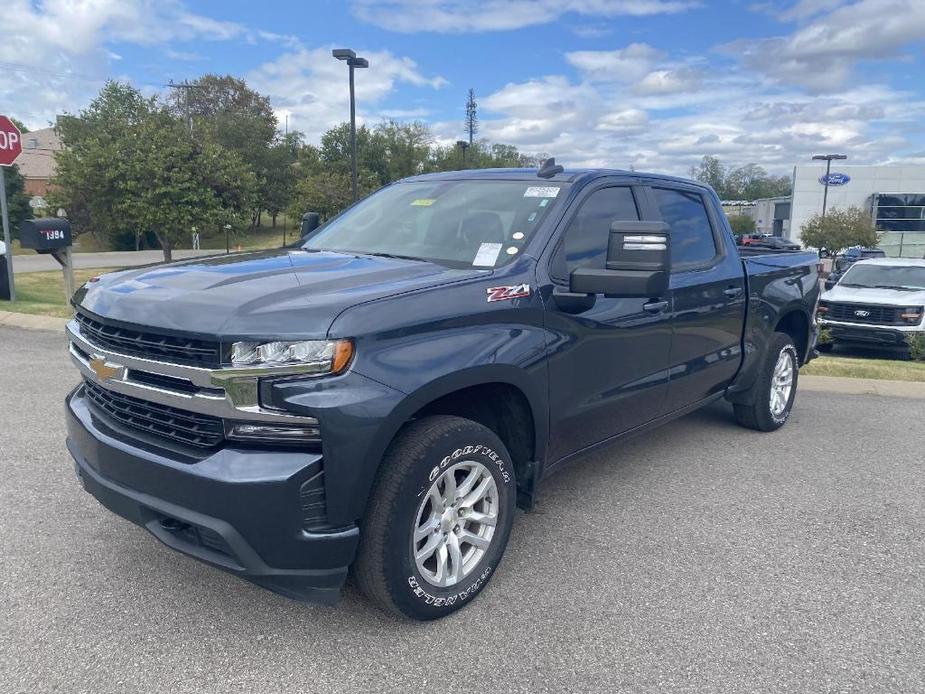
225 111
711 172
130 165
840 229
327 193
741 224
749 182
16 199
404 147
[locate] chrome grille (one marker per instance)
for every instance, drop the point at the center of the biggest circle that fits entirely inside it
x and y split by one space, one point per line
190 428
150 345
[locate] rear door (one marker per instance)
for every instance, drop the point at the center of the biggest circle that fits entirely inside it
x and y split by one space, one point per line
707 294
608 359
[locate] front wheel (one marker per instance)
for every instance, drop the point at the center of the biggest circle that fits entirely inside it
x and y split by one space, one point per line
770 399
439 520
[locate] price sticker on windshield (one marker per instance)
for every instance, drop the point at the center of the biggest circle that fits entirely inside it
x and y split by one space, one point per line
487 255
541 192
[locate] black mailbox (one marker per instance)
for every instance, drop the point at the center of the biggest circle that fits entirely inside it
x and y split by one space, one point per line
45 235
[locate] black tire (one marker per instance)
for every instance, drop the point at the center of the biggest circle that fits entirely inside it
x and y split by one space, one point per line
755 412
385 569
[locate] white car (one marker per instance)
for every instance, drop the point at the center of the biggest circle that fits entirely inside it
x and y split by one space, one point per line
876 303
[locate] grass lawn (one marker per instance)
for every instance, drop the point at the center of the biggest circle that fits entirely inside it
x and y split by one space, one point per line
42 293
860 367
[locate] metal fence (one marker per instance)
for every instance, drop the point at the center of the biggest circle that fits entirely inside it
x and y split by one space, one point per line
903 245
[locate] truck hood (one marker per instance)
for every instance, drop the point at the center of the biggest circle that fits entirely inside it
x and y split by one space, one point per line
863 295
277 294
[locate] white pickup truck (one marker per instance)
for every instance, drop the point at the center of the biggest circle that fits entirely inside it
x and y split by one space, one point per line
876 303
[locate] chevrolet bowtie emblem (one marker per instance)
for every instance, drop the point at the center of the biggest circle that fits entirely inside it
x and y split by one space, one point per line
105 371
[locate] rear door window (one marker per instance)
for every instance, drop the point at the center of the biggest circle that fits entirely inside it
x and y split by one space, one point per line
693 243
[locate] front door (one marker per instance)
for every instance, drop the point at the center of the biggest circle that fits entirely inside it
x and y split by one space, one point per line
607 359
708 297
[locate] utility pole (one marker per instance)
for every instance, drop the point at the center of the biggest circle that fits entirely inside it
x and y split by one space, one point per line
187 87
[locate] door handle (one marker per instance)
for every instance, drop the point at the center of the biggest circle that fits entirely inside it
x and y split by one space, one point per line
655 306
733 292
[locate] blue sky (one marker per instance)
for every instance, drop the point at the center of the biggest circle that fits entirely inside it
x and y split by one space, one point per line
653 84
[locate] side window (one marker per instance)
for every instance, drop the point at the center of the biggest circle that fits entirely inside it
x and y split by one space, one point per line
588 233
692 241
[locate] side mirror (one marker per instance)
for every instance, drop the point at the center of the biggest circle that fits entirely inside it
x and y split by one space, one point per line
829 284
310 222
638 260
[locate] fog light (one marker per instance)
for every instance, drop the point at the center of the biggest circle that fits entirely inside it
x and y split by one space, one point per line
307 432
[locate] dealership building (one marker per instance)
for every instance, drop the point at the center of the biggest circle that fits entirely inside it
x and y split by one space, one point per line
893 195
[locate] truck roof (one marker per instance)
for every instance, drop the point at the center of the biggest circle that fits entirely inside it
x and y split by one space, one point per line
896 262
567 176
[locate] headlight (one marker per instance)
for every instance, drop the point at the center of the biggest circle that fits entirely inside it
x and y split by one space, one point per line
321 356
912 315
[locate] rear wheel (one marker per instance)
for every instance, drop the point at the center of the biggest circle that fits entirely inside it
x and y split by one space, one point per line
770 400
440 518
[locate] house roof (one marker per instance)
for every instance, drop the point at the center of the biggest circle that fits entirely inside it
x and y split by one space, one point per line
38 153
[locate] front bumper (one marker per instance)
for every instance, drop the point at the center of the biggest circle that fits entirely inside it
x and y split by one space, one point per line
236 509
872 335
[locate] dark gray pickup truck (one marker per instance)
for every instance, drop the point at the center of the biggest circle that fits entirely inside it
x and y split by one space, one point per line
379 398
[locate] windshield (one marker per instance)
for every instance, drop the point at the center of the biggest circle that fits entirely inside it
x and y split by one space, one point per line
910 277
472 223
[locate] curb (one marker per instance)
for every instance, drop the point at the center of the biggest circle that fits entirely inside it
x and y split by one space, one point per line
29 321
862 386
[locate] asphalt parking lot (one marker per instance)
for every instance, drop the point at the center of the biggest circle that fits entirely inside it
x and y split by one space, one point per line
704 558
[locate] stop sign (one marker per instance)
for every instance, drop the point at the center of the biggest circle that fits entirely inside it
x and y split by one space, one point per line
10 142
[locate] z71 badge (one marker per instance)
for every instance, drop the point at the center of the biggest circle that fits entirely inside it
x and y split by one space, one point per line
512 292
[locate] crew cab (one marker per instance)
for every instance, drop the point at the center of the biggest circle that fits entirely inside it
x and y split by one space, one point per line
380 397
877 303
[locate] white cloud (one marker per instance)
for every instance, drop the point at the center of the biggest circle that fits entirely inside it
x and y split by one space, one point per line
668 82
460 16
54 55
310 86
821 54
622 65
737 117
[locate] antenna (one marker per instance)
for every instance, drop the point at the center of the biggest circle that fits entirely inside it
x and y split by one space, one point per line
549 168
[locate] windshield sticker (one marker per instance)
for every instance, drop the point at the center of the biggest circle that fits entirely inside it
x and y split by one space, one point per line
511 250
541 192
517 235
531 217
544 202
487 255
423 202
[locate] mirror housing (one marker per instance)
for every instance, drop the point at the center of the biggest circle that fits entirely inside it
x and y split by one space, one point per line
638 261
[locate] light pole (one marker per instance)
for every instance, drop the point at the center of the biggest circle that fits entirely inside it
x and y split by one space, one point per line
827 158
352 61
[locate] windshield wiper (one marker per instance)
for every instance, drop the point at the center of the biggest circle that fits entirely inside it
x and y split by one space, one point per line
391 255
900 287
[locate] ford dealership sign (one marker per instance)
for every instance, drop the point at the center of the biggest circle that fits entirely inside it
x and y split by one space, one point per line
834 179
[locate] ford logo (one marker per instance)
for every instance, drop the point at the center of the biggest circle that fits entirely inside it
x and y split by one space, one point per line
862 314
834 179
